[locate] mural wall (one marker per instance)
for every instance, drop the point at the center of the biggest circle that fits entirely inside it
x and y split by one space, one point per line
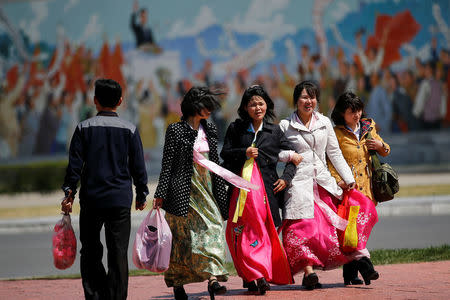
52 51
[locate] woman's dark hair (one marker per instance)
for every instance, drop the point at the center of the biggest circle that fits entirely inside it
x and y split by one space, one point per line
249 93
196 99
311 88
345 101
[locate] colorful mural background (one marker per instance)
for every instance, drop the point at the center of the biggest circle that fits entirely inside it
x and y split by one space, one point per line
51 52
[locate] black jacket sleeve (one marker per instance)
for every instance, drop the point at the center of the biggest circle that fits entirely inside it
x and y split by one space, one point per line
137 167
230 153
133 22
166 164
290 168
76 162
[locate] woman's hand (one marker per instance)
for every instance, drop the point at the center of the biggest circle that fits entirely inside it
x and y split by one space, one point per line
373 144
342 184
345 186
157 203
351 186
280 185
252 152
296 159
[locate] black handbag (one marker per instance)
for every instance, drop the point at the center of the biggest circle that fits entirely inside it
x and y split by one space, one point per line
384 178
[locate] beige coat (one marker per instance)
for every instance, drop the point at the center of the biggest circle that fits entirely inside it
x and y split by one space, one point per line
357 155
299 195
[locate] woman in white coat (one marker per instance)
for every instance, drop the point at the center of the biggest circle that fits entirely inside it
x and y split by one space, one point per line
310 221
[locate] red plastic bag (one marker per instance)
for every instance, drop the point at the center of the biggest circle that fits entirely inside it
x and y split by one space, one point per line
348 239
361 214
64 244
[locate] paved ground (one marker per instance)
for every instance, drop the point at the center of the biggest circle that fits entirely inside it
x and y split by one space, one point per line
402 281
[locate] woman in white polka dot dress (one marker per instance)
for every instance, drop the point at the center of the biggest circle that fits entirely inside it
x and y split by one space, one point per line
194 199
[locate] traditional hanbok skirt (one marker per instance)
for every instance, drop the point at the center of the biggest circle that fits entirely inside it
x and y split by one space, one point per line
253 240
314 242
198 243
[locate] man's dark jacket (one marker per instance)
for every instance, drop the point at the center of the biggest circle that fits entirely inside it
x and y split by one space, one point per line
106 154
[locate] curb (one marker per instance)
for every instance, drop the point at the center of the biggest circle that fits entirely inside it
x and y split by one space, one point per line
416 206
405 206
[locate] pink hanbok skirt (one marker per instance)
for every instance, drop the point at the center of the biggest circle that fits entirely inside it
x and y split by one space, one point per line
314 242
253 241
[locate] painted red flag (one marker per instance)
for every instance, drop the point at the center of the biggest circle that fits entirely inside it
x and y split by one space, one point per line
402 29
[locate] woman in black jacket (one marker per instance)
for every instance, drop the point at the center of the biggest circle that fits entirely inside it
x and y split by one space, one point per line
194 199
251 148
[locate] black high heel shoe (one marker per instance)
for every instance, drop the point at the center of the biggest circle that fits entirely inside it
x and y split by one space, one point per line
311 281
263 285
367 271
350 273
250 286
179 293
214 288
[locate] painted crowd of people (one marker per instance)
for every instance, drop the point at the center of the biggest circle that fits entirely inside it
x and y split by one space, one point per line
38 116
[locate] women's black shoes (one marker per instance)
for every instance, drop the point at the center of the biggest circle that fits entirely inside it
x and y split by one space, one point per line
179 293
214 288
367 270
350 273
263 285
250 286
311 282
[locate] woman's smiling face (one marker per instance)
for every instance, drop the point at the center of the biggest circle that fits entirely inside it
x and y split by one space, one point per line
306 104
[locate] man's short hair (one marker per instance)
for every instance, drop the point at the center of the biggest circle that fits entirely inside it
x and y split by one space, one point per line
107 92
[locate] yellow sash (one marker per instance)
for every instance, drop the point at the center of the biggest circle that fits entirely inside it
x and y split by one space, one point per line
247 175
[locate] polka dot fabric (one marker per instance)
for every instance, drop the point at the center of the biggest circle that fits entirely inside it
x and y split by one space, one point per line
174 185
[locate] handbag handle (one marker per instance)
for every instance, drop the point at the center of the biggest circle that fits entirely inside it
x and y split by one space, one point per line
345 198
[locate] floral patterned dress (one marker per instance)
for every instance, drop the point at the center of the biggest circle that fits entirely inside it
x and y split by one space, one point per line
198 248
312 239
315 242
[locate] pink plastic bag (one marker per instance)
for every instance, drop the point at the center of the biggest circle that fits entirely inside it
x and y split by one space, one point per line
64 244
153 243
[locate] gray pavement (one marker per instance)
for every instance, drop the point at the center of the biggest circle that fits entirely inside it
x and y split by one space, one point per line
413 222
28 254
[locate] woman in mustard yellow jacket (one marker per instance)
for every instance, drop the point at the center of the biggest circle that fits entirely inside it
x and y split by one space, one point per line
351 132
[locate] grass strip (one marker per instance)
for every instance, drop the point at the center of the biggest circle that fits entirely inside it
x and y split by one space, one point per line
378 257
423 190
402 256
35 211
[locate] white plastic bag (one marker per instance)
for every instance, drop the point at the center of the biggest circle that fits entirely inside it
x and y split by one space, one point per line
153 243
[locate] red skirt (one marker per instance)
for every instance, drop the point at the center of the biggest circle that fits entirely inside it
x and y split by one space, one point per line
314 242
253 241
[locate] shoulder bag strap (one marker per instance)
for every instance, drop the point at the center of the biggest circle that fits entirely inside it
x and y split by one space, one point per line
375 160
